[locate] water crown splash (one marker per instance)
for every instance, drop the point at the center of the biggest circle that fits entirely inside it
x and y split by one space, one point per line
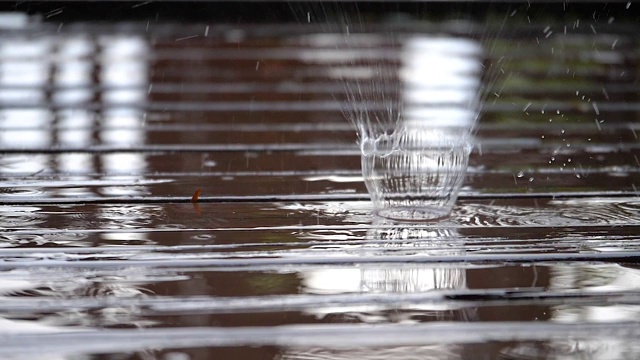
415 152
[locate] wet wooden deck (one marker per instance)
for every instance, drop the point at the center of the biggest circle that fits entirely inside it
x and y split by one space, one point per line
106 131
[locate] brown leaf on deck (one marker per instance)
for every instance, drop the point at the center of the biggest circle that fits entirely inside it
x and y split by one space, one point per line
196 196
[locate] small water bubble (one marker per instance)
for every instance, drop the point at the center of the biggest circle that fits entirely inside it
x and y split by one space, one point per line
569 160
367 146
542 136
562 131
531 179
558 112
171 226
520 174
203 237
578 176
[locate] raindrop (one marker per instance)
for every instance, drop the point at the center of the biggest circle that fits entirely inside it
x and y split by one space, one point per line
520 174
628 4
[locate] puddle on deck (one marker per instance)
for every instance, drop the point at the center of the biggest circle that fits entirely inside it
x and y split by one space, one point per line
296 280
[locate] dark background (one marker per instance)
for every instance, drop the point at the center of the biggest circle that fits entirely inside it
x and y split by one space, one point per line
281 11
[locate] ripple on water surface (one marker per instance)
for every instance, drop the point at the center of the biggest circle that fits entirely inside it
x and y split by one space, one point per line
561 212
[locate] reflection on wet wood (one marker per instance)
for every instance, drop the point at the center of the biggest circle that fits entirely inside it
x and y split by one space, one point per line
177 196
